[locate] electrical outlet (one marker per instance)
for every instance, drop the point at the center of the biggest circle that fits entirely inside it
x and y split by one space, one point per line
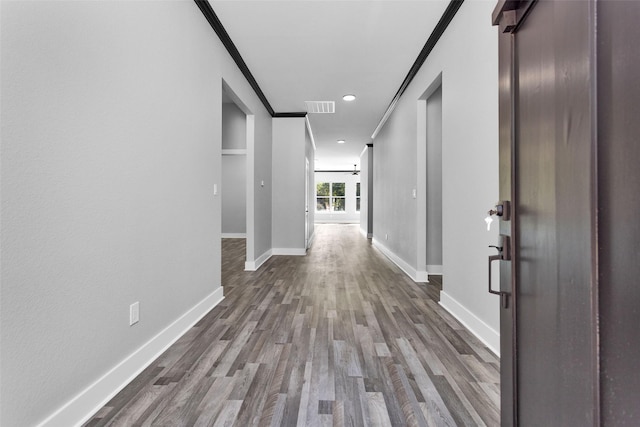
134 313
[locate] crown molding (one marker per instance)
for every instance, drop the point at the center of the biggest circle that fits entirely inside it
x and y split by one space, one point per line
290 115
443 23
214 21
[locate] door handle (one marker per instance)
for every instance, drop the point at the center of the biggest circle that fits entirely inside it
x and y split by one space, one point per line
491 259
503 255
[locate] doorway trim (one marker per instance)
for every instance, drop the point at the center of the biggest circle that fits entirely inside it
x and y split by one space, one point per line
422 269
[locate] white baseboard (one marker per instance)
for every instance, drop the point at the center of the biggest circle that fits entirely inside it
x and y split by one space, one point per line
365 234
485 333
82 407
422 276
234 151
336 221
313 236
289 251
234 235
434 269
255 265
402 264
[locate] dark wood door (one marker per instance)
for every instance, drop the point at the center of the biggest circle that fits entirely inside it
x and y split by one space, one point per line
549 363
569 156
618 186
553 158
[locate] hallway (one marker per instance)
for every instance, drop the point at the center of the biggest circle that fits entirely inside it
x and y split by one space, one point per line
339 337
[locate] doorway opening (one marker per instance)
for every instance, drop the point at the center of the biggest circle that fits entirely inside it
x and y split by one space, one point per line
235 193
429 191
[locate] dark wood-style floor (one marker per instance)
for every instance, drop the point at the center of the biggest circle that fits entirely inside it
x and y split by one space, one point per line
339 337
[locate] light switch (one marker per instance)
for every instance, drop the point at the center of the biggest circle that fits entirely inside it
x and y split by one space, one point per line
262 183
415 193
215 189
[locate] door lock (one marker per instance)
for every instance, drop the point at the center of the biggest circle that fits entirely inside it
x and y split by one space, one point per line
502 209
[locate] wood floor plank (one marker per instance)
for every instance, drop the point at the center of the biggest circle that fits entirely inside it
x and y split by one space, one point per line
438 412
224 368
273 396
213 401
408 404
304 397
229 413
278 413
340 337
134 412
378 410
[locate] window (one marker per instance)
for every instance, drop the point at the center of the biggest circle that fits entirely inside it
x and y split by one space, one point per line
330 197
323 193
357 197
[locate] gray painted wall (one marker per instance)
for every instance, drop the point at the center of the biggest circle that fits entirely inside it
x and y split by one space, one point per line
466 58
259 179
111 145
234 170
234 194
434 180
234 127
288 183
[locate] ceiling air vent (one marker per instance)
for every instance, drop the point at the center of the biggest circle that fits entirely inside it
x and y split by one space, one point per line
321 106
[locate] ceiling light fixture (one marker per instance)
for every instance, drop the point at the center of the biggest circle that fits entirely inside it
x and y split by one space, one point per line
341 141
349 97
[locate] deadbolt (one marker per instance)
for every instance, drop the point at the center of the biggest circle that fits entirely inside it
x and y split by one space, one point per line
502 209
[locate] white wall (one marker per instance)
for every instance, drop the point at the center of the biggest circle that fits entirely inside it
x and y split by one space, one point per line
466 58
350 215
111 129
289 152
234 127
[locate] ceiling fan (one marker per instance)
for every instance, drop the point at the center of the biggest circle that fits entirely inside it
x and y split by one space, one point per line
355 171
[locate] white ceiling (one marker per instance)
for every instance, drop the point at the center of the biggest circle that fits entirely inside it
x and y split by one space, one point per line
320 50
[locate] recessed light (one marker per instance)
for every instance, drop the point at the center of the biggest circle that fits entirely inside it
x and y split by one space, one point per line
341 141
349 97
